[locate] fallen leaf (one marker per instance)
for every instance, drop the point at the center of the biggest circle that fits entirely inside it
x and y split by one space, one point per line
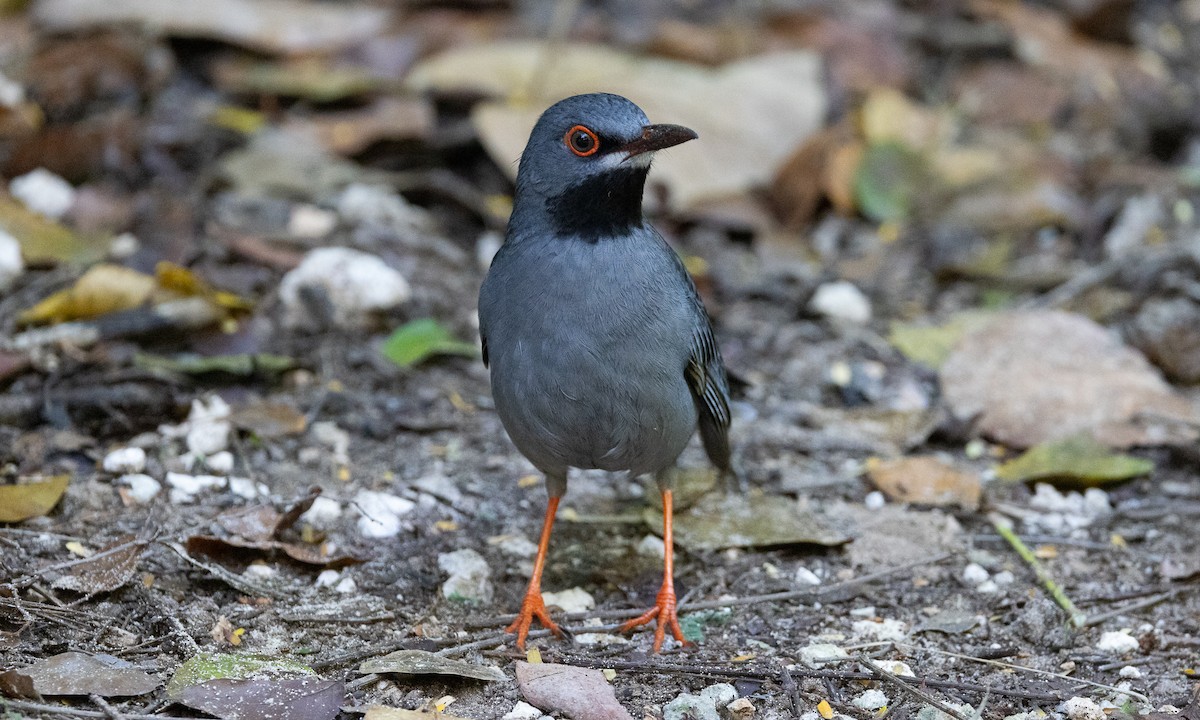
421 662
205 667
76 673
925 480
16 684
420 340
267 698
31 497
1078 459
750 114
725 521
1037 376
930 345
350 132
44 240
272 26
951 622
580 693
889 180
245 365
382 712
106 570
103 289
269 420
309 77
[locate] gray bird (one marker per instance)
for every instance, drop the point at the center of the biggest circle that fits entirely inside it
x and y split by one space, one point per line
601 352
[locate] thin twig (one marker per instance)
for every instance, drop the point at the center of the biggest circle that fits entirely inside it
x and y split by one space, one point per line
1131 607
897 682
789 686
43 708
1077 617
110 712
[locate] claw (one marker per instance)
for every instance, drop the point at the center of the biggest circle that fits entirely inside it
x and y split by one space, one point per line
533 606
663 615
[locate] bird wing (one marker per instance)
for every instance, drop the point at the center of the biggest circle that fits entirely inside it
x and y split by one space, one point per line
483 346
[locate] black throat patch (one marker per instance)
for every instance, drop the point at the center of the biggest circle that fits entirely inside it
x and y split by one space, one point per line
602 206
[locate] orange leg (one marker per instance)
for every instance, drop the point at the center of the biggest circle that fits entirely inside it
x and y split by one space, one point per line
663 611
533 606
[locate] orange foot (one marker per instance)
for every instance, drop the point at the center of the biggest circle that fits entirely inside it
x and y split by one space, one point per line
665 616
532 607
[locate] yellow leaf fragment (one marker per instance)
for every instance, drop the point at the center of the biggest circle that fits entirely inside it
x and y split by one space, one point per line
32 498
79 550
103 289
824 710
533 656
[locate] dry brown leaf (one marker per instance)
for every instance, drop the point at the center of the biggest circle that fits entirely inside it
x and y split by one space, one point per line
76 673
106 570
750 115
269 420
103 289
31 497
925 480
1030 377
349 132
579 693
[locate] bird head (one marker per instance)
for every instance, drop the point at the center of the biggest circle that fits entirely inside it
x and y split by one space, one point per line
584 169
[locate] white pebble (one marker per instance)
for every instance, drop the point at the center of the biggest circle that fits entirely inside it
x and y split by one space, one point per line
987 587
325 511
356 284
333 437
260 571
865 611
346 586
574 599
1117 643
896 667
12 93
817 655
1131 672
974 574
184 488
515 545
310 221
220 462
469 576
886 631
327 578
11 264
870 700
804 576
841 300
874 500
651 546
380 513
601 639
1004 577
43 192
125 460
142 488
1081 708
246 488
522 711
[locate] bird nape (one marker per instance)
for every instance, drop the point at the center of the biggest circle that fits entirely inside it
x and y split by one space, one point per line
600 350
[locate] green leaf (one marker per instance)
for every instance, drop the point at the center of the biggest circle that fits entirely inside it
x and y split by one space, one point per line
218 666
420 340
888 181
930 345
1079 459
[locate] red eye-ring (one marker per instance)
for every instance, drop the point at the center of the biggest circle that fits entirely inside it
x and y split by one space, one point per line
582 141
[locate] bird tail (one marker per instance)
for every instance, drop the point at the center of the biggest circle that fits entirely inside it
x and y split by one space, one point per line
715 438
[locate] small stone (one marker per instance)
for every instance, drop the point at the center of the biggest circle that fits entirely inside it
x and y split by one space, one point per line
125 460
184 488
334 438
323 513
1080 708
987 587
874 500
515 545
804 576
469 576
974 574
12 266
380 513
720 694
327 578
865 611
124 246
246 488
43 192
870 700
356 285
261 571
1004 577
346 586
740 709
700 707
573 600
522 711
1096 503
1131 672
898 668
651 546
142 488
841 301
601 639
311 222
886 630
818 655
1117 643
220 462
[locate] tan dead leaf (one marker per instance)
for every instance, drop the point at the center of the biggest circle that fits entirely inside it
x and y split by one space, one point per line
107 569
31 497
888 116
349 132
44 240
925 480
1030 377
103 289
798 186
750 114
574 691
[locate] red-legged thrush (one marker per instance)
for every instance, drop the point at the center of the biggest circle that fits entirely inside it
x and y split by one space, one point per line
601 352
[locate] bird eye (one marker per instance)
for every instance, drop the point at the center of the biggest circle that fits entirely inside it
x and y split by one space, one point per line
582 141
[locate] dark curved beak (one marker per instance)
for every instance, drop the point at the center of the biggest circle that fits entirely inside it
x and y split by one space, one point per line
657 137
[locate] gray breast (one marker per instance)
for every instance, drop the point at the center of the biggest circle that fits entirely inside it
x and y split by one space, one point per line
588 343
